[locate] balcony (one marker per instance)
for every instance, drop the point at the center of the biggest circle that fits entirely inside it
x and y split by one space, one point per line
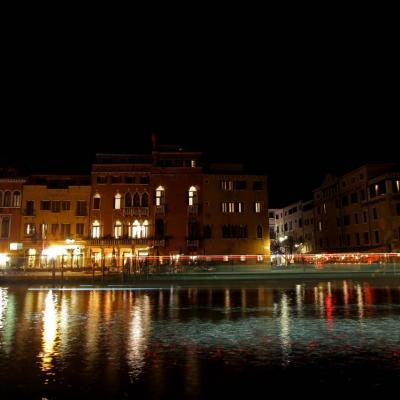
159 243
120 242
136 211
29 212
192 243
193 210
159 210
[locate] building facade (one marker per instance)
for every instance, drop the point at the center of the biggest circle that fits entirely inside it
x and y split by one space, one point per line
359 211
11 188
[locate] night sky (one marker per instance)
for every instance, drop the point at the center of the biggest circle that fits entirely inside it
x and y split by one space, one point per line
295 117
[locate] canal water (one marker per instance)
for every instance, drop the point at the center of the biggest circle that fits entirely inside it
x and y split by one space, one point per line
313 338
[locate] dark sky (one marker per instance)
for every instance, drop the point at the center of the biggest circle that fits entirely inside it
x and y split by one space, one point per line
290 112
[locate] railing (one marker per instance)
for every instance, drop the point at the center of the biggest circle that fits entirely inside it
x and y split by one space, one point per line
193 209
136 211
119 242
29 212
160 210
159 242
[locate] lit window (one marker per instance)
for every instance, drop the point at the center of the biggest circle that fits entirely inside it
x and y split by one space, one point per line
118 229
160 193
136 231
192 196
260 258
240 207
96 229
227 185
398 186
117 201
320 226
193 163
226 258
231 207
16 201
224 207
258 207
145 229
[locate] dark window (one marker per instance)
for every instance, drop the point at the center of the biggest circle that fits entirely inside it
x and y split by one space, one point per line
241 185
300 223
258 185
30 205
377 237
115 179
54 229
145 200
96 203
346 220
337 203
348 240
81 208
364 217
398 208
101 179
45 205
5 227
193 230
80 229
259 232
358 239
56 206
128 200
366 238
345 201
362 195
286 227
338 221
136 200
65 205
65 230
129 179
144 180
354 198
159 228
356 218
320 243
207 232
375 213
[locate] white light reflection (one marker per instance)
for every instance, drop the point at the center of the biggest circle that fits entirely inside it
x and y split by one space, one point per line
360 302
285 330
138 336
50 333
3 306
299 299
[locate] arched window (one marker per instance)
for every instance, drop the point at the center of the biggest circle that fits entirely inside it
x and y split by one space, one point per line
136 229
192 196
96 229
145 200
117 201
16 200
160 196
128 199
7 199
259 232
136 200
96 202
127 232
145 229
159 228
117 229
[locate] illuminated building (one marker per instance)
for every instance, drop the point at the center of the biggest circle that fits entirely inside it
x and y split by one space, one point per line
170 204
10 210
55 219
359 211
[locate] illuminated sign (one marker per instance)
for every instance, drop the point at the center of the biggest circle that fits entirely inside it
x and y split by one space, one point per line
15 246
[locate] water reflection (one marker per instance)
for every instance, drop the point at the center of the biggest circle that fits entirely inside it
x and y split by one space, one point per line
285 329
181 339
138 336
50 333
